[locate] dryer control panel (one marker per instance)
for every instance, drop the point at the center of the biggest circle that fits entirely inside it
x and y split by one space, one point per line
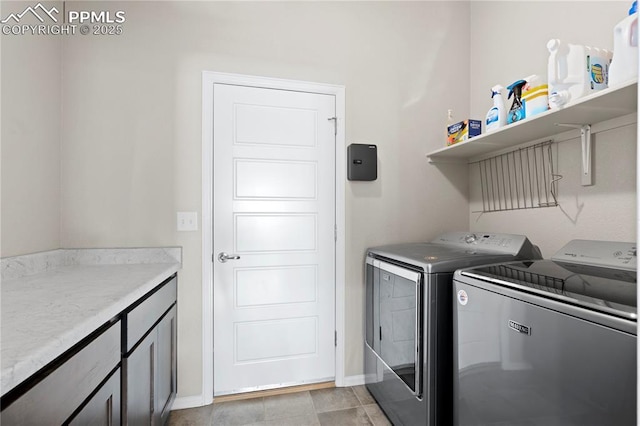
502 243
607 254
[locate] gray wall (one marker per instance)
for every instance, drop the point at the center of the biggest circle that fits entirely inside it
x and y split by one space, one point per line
30 137
604 211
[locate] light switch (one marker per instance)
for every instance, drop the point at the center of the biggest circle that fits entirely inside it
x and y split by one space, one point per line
187 221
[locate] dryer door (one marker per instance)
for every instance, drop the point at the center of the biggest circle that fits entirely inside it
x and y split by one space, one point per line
394 321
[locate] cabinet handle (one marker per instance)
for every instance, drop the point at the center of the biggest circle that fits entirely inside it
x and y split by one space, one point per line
110 410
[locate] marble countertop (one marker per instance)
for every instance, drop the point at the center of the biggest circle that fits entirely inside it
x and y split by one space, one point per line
49 306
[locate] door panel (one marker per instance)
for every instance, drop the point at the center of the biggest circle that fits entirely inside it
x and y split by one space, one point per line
291 284
264 124
275 179
270 340
274 207
283 232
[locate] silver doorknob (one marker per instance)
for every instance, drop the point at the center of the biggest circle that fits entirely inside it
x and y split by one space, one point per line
223 257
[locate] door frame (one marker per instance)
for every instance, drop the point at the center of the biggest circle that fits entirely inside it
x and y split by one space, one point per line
210 78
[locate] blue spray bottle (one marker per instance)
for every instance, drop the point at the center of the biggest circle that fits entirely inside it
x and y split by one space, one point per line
517 111
497 115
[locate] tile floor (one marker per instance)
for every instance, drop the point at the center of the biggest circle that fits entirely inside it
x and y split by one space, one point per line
335 406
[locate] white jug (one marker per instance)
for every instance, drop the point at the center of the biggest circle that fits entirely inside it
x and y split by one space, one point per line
624 66
575 71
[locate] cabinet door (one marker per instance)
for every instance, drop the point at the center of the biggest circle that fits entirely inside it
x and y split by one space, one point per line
139 393
103 409
166 367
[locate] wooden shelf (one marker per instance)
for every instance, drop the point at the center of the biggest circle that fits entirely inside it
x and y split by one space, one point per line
601 106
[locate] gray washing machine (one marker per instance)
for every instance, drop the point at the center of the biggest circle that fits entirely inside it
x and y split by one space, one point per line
549 342
408 336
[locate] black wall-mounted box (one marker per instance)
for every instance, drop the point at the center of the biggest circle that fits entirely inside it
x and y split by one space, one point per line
362 162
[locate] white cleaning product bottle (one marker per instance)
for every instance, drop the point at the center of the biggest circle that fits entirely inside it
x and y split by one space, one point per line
574 71
449 123
497 115
624 66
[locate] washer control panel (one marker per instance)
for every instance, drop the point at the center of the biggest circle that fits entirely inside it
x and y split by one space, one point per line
608 254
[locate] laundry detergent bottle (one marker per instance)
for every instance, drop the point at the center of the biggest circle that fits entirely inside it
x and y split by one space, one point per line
497 115
575 70
624 65
517 111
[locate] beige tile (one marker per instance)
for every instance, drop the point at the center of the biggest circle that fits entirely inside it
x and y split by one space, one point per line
376 415
191 416
288 405
363 395
351 416
334 399
236 413
307 420
339 406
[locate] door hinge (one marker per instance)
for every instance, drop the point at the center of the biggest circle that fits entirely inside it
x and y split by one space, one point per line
335 233
335 124
335 338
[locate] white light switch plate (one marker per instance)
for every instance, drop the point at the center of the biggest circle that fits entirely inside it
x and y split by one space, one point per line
187 221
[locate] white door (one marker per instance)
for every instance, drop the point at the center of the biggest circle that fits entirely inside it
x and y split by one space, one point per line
274 216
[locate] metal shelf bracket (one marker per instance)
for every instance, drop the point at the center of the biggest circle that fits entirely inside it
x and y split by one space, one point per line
585 137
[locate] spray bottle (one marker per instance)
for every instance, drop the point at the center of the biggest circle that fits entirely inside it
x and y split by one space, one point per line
497 116
517 111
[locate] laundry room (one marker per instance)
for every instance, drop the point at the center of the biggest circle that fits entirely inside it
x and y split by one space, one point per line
115 170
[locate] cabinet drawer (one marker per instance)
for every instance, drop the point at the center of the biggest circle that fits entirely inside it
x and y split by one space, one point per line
53 399
141 318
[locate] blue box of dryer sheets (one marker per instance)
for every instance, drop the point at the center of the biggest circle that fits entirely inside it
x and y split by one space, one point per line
463 130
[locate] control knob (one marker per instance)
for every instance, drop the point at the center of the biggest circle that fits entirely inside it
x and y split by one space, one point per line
471 238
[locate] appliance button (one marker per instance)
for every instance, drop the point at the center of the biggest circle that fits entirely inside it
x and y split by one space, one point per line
471 238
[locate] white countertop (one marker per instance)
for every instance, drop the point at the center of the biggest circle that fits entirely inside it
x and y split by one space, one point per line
47 312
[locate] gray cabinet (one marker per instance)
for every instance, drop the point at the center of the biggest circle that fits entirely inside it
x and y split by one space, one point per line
138 374
103 409
167 364
56 394
149 367
123 373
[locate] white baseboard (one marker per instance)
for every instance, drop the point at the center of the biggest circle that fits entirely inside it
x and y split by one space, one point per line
188 402
356 380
